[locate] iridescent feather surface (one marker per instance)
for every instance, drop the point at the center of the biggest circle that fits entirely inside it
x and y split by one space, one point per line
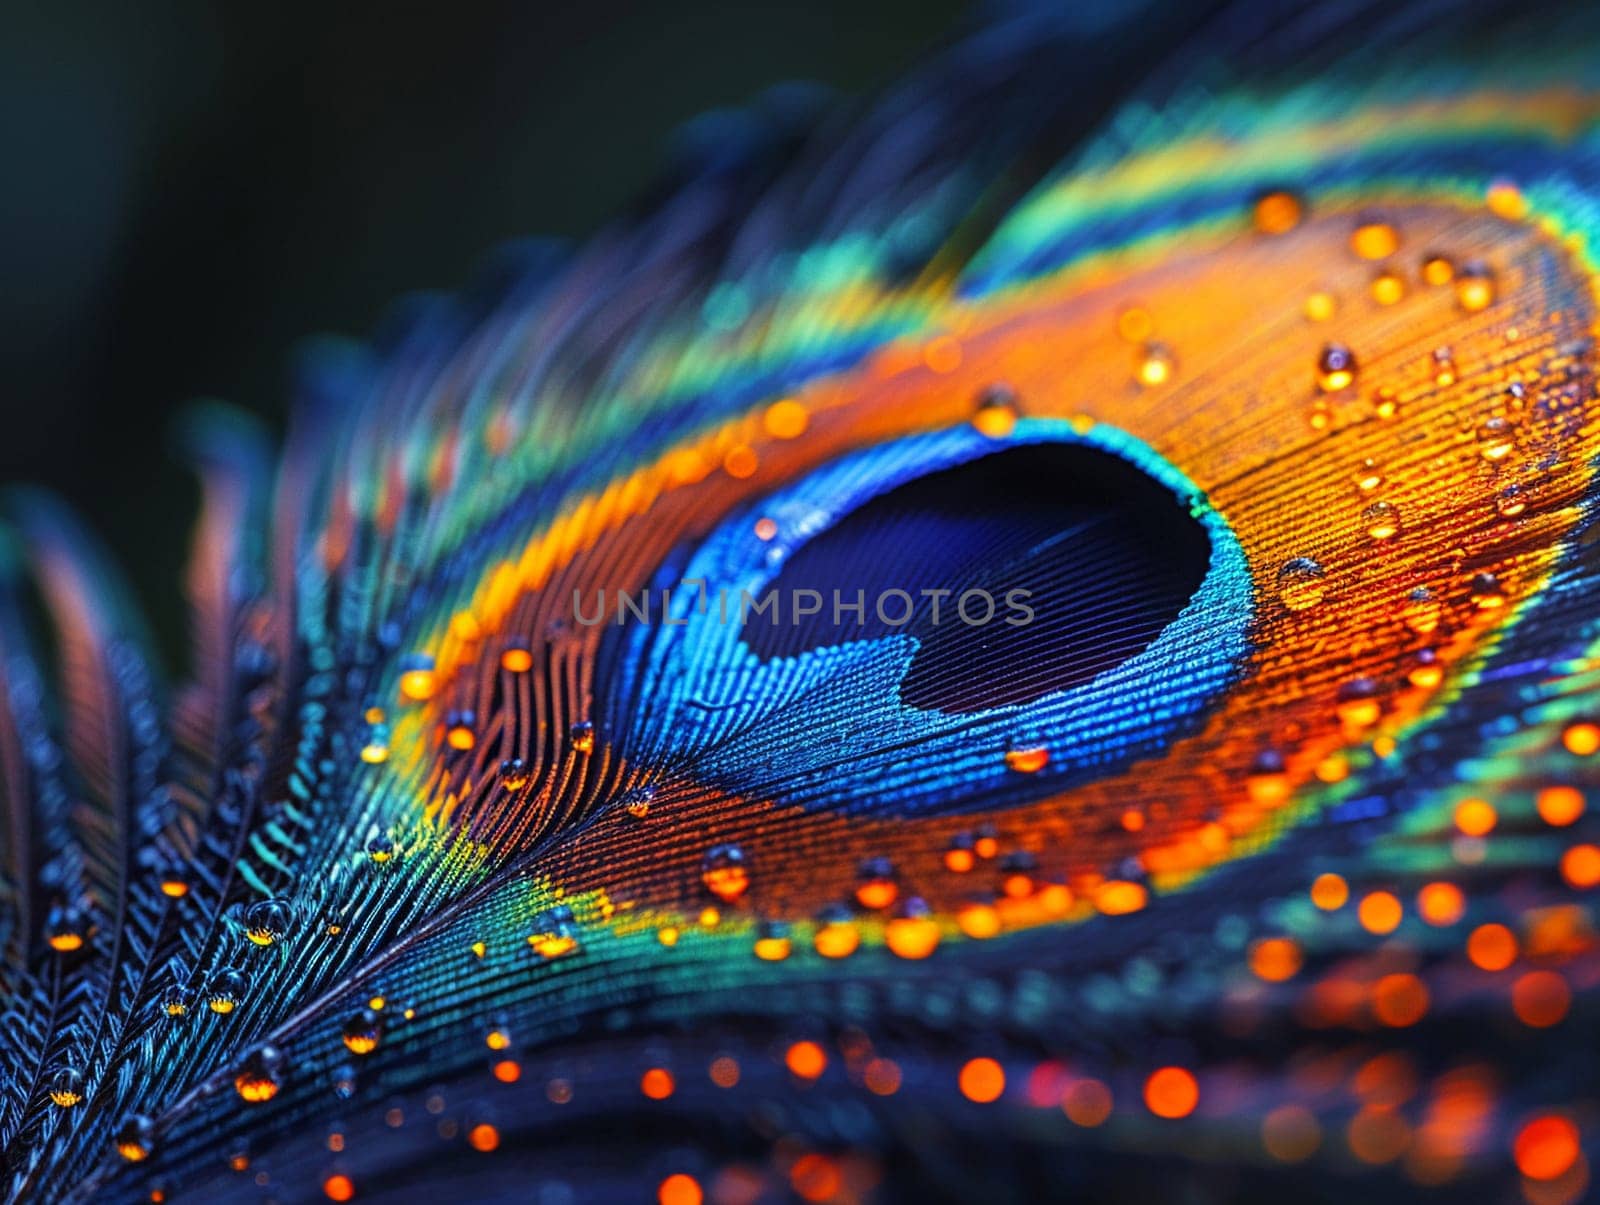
526 833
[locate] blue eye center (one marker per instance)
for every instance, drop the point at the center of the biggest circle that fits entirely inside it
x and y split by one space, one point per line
1030 570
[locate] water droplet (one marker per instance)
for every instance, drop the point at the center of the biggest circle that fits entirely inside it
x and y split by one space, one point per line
1384 402
135 1138
1487 592
1511 501
417 681
725 873
1156 364
1388 287
458 732
1029 760
1381 520
1421 611
1516 397
837 935
1475 288
66 929
1426 670
362 1031
174 1001
581 735
996 415
1358 704
1336 368
1444 366
513 774
266 921
380 848
1437 270
773 943
912 933
344 1081
1268 783
637 801
1374 238
1495 439
876 886
1368 476
260 1076
1277 212
226 989
555 932
1300 583
516 657
66 1087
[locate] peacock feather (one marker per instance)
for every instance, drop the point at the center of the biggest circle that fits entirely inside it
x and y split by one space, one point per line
990 646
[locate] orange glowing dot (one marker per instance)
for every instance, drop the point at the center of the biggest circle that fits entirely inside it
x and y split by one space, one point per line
806 1060
1117 897
741 461
1374 240
483 1137
418 684
516 661
1546 1148
174 888
1277 212
995 420
982 1080
679 1189
1133 820
1276 959
338 1187
1540 999
943 354
1580 866
1291 1133
1388 288
1492 947
1441 903
877 893
786 419
1028 761
1017 886
497 1039
912 937
1087 1103
508 1071
815 1178
725 1071
1379 912
1134 324
656 1083
766 529
978 921
1329 891
460 737
1582 739
1506 201
959 860
837 940
1560 806
1399 1000
1320 306
881 1077
1476 817
1171 1092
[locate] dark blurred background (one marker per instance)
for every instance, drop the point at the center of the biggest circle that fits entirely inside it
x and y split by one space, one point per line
189 188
